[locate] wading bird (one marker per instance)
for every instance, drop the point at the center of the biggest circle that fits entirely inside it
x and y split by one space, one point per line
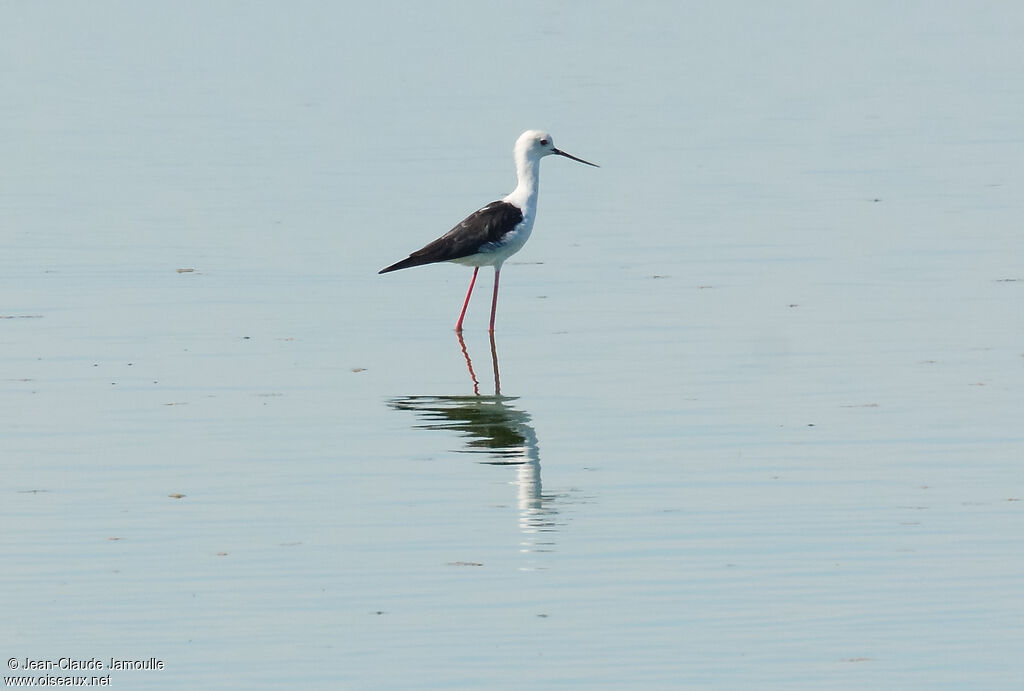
489 236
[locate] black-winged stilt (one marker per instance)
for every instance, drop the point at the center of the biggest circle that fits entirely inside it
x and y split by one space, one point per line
489 236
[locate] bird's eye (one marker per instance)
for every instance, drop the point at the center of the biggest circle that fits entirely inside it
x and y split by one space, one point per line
543 142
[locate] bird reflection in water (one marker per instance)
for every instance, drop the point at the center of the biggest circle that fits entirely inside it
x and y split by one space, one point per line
501 434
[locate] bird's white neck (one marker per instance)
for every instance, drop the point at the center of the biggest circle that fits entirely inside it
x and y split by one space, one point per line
528 175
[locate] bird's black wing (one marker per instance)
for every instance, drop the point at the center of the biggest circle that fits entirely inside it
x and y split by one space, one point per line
487 225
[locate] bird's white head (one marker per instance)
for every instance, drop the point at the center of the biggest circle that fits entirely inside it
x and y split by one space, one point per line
534 145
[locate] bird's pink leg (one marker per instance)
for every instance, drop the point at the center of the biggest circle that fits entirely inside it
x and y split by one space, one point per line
494 300
462 314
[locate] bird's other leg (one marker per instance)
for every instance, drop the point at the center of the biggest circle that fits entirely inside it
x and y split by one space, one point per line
494 299
462 314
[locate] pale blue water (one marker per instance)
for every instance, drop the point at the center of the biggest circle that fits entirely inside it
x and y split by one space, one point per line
761 373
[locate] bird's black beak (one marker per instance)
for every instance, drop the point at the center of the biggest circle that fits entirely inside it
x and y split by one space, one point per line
562 153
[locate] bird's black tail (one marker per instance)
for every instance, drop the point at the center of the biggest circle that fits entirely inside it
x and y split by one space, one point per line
406 263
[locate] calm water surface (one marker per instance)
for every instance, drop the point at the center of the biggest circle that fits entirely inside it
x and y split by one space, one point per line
751 418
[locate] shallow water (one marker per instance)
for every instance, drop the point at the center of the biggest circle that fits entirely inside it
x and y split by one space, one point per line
751 418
